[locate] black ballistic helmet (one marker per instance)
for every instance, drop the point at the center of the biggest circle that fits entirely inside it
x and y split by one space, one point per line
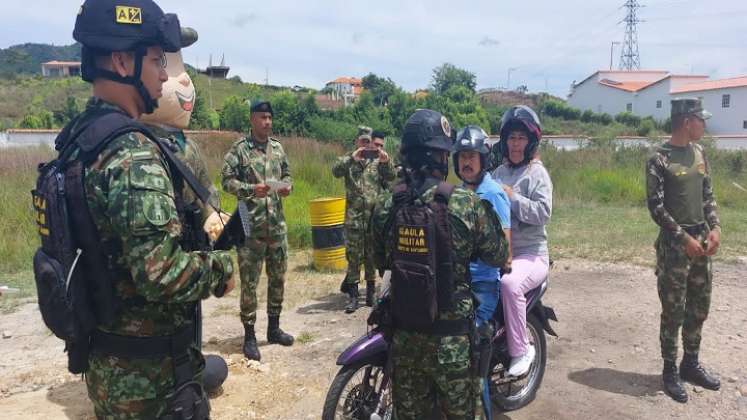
105 26
425 132
471 138
215 372
523 118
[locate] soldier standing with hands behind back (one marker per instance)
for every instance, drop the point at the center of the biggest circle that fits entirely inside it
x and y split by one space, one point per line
252 163
367 172
680 199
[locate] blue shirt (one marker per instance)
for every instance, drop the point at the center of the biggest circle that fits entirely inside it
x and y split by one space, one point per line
492 192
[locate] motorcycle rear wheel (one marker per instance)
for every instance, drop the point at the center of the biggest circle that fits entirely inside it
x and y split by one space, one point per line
510 394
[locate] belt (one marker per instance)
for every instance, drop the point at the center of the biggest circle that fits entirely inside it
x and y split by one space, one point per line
143 347
695 230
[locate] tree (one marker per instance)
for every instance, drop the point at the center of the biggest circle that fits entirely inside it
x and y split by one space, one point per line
380 88
234 115
448 75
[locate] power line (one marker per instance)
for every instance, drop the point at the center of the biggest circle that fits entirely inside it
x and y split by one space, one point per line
630 59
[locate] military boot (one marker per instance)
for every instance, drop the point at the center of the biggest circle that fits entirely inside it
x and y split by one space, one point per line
352 305
251 351
672 384
370 293
691 371
275 335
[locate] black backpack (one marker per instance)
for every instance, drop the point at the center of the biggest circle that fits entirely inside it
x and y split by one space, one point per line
422 258
75 277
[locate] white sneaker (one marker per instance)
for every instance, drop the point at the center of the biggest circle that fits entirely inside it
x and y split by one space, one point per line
520 365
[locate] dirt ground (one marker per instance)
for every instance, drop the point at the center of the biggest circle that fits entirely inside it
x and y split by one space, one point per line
605 365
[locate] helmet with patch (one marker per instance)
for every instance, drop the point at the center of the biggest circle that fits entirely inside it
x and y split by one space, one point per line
426 133
104 26
427 128
523 118
471 138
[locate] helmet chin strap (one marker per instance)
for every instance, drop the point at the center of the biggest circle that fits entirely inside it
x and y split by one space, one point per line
135 80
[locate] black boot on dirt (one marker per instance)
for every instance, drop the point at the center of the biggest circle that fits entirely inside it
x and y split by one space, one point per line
370 293
691 371
275 335
672 384
250 349
352 305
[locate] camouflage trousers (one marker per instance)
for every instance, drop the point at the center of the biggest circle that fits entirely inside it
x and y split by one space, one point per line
274 252
122 388
684 286
358 245
428 369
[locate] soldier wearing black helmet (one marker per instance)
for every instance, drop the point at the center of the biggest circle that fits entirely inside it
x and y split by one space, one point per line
142 361
426 231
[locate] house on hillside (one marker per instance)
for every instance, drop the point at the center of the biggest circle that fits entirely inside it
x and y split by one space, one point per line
60 68
649 92
347 89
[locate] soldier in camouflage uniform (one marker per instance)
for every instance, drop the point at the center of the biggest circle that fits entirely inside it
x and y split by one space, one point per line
680 199
252 163
437 366
365 178
129 193
168 122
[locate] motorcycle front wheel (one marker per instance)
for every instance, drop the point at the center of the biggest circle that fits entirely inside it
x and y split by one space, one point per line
358 392
510 393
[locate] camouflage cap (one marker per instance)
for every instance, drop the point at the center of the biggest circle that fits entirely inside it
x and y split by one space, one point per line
689 106
364 132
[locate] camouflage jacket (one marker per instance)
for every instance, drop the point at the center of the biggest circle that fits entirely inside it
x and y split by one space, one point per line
130 196
475 229
248 163
364 179
664 176
190 154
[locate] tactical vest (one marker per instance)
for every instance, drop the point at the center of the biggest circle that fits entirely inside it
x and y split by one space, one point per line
423 281
75 271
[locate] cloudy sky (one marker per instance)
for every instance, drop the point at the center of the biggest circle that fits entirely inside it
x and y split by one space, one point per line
547 43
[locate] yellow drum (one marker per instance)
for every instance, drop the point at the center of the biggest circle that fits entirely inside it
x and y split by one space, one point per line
327 235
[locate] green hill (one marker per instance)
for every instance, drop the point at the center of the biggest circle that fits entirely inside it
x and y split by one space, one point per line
27 58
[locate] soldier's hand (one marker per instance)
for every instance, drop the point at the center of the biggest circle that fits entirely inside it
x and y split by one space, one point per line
383 156
261 190
693 248
230 284
214 224
284 192
714 241
358 154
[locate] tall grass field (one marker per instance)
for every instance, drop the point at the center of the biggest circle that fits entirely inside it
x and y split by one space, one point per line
599 199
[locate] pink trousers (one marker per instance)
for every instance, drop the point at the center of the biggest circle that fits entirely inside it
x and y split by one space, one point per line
527 272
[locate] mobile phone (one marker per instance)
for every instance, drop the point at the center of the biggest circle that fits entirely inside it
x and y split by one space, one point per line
370 153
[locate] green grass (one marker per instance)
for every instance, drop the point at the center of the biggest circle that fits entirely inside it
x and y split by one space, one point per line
625 233
305 337
599 209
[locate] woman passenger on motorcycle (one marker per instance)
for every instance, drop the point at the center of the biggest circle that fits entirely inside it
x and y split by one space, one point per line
529 189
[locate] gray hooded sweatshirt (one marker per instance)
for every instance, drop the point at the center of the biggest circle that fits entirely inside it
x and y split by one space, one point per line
531 206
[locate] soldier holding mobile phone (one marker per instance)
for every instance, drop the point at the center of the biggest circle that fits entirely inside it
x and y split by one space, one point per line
367 171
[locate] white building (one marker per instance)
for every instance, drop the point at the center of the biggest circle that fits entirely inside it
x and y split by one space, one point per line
648 93
726 99
344 88
60 68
